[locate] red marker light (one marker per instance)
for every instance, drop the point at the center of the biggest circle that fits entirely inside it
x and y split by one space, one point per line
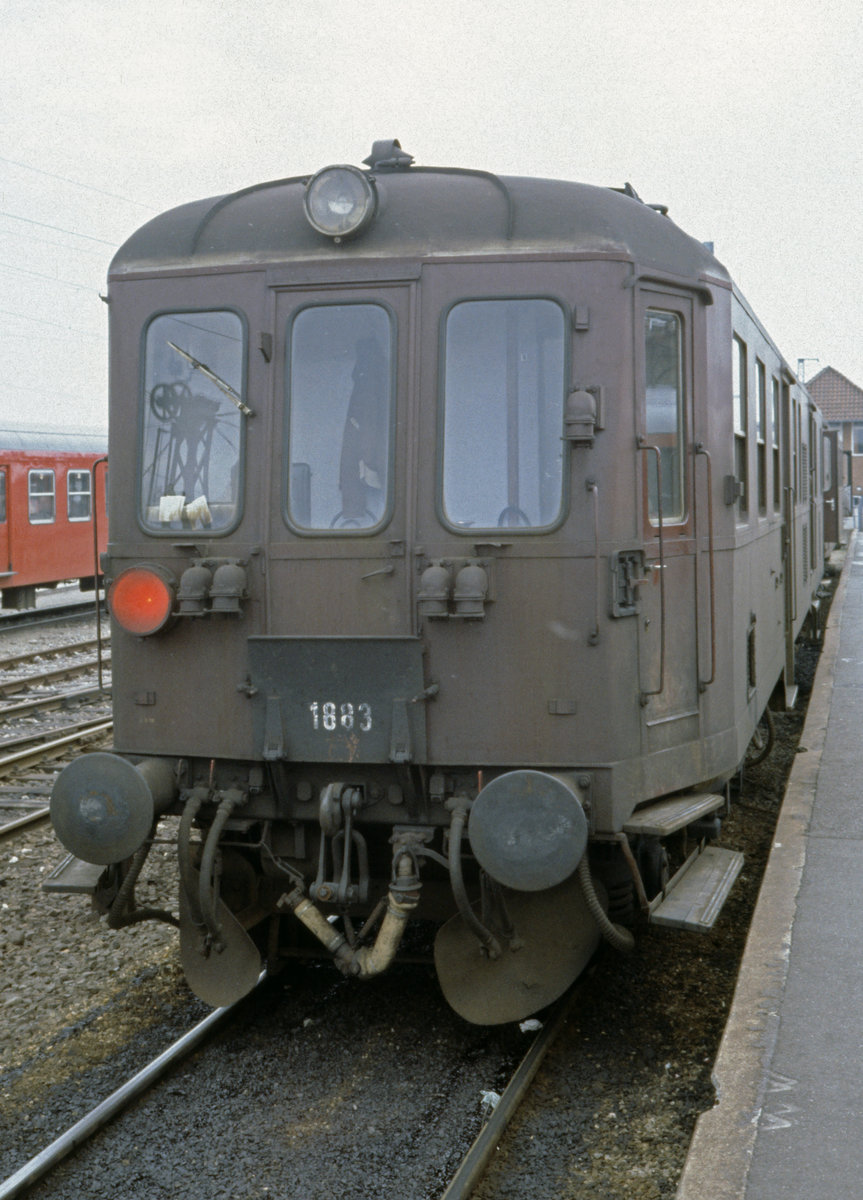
141 600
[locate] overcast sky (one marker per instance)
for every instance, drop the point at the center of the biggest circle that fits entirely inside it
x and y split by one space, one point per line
743 117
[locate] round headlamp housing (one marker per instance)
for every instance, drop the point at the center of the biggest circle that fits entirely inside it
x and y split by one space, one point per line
340 202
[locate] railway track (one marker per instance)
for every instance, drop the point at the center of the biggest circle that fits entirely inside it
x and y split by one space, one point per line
60 614
81 663
22 754
148 1077
364 1092
90 1124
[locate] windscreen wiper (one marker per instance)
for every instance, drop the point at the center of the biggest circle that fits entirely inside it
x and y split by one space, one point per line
232 395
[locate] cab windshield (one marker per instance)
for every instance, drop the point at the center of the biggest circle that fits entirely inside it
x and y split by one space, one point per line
192 422
339 378
504 391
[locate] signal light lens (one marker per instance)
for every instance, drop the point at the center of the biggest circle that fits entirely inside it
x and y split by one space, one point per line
141 600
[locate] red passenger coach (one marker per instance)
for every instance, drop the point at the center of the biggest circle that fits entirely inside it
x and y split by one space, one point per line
50 491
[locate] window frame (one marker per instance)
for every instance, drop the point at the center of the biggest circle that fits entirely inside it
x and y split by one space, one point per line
81 471
566 368
740 422
52 520
775 436
389 508
761 433
198 531
669 304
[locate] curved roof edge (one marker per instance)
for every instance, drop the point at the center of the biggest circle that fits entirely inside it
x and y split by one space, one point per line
422 212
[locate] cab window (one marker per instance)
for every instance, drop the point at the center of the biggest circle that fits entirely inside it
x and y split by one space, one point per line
192 431
503 396
339 376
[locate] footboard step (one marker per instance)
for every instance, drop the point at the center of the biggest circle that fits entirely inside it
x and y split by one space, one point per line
665 817
695 896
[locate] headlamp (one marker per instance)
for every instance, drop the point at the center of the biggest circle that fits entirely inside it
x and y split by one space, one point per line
340 202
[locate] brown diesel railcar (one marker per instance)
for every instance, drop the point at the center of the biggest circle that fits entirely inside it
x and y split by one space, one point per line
467 527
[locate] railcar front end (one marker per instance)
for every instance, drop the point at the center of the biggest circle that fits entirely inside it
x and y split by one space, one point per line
424 575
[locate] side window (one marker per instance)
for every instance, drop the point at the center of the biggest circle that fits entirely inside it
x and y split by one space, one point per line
192 432
2 495
740 389
826 463
503 396
339 377
664 406
777 473
78 495
41 497
761 432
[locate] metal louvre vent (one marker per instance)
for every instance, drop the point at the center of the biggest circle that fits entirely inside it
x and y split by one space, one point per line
804 473
805 553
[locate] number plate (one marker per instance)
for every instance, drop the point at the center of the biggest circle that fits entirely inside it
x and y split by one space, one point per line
338 699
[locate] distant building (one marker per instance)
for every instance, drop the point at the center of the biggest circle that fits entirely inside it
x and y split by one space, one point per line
841 401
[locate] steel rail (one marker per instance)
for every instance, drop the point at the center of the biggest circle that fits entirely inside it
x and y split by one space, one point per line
475 1161
57 673
39 736
30 818
22 758
55 614
77 1134
15 660
63 700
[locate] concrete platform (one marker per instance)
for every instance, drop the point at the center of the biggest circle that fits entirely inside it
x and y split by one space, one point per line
789 1120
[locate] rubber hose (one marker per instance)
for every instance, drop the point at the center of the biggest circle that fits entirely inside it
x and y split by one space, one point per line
188 880
119 914
619 937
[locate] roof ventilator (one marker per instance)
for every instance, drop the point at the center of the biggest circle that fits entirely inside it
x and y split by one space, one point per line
388 153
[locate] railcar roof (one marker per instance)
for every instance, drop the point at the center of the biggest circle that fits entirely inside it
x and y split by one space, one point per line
46 441
422 212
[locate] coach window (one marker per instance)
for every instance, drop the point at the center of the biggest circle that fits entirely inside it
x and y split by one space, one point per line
2 495
504 391
78 495
41 497
740 390
192 423
339 394
664 412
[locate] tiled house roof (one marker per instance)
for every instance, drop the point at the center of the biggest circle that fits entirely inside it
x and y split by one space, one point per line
837 397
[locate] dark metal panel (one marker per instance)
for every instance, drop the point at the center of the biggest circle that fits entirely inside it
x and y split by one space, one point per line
338 700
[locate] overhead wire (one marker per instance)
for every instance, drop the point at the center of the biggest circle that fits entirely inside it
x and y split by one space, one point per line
77 183
7 312
81 287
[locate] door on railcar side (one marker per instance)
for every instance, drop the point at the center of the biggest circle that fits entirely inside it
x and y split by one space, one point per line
503 586
668 634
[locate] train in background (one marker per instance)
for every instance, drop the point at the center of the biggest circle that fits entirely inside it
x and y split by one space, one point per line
51 492
467 526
